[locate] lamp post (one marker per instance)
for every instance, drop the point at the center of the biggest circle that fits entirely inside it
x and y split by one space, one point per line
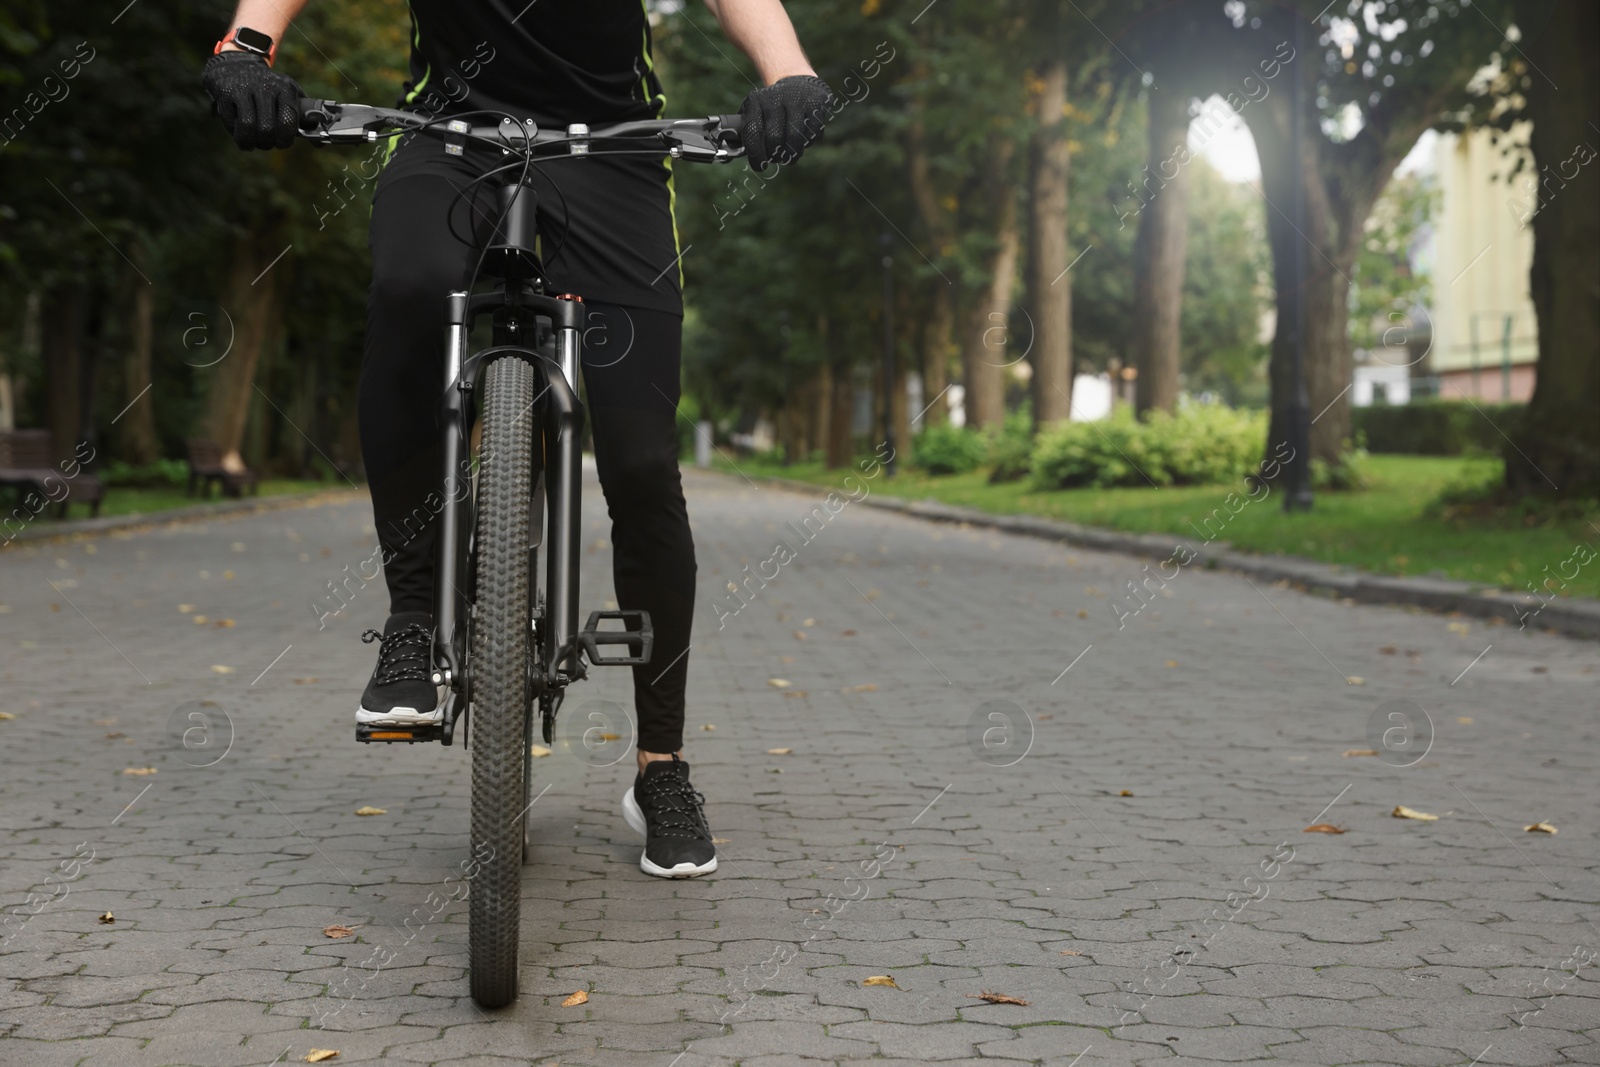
886 240
1297 494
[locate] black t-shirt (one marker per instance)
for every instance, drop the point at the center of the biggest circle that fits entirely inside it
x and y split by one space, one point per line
554 61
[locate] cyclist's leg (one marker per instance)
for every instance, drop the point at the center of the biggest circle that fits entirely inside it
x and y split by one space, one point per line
415 261
631 362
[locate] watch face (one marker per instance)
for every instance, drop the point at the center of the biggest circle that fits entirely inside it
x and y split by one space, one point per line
252 40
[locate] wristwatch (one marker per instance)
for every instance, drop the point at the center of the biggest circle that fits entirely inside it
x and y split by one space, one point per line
250 40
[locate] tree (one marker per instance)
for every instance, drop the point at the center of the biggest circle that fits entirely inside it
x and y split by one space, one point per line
1162 251
1558 444
1378 76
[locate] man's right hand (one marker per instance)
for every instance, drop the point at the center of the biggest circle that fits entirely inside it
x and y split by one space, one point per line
259 106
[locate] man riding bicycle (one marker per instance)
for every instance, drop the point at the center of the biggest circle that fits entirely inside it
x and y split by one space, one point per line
613 240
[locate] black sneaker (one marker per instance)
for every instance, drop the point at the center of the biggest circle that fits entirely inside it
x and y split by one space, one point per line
665 809
401 692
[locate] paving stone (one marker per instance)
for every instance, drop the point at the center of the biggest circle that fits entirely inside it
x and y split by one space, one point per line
1395 943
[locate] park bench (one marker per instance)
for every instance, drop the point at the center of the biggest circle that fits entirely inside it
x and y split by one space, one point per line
26 464
208 464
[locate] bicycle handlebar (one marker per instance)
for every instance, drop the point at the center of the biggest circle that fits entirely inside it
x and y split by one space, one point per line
710 140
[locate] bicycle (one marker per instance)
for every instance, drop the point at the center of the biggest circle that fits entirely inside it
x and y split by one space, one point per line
500 643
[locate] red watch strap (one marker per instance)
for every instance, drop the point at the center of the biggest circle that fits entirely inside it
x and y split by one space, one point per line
272 53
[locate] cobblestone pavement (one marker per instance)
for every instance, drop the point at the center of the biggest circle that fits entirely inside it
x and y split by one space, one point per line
992 788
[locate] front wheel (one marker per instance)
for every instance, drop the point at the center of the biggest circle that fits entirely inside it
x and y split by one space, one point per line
500 678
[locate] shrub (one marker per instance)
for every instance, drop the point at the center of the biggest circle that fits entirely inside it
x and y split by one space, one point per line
949 449
1011 450
1352 472
1437 427
160 474
1200 445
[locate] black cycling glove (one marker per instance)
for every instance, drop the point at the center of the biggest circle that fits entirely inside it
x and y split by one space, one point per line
259 106
779 121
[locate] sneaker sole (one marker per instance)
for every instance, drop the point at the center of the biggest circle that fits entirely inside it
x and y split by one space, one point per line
634 817
401 716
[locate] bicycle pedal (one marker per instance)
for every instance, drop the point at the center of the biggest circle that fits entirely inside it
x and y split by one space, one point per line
638 642
366 732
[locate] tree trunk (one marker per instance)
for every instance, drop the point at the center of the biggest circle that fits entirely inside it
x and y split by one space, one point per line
1558 442
1160 253
137 424
841 443
252 301
1049 284
1328 244
821 408
936 352
987 351
61 343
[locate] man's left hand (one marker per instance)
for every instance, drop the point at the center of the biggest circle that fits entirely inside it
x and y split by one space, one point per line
780 121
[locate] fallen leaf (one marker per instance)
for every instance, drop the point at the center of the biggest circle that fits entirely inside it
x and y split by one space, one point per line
847 633
611 737
115 735
1355 679
780 751
779 683
799 635
795 693
305 681
538 751
707 727
1126 793
880 979
786 660
809 622
369 810
317 1055
866 687
186 608
225 624
1044 718
1402 812
227 576
6 716
338 930
1388 650
1171 663
721 840
107 919
1069 952
1539 828
580 997
97 722
1464 720
1082 614
199 620
221 668
139 771
998 998
1459 628
1322 828
1360 752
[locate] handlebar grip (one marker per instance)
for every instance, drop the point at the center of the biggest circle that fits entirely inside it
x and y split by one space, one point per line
315 114
729 130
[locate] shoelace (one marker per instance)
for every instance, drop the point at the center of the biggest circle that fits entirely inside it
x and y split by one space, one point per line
407 645
676 808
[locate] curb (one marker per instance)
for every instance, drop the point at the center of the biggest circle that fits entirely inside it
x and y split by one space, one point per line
62 531
1574 616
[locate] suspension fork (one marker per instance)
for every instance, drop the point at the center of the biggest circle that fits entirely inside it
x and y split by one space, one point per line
564 488
450 607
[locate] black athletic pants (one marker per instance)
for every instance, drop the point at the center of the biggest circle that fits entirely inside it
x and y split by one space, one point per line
631 358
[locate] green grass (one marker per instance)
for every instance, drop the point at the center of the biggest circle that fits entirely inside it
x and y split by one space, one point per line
121 500
1385 529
